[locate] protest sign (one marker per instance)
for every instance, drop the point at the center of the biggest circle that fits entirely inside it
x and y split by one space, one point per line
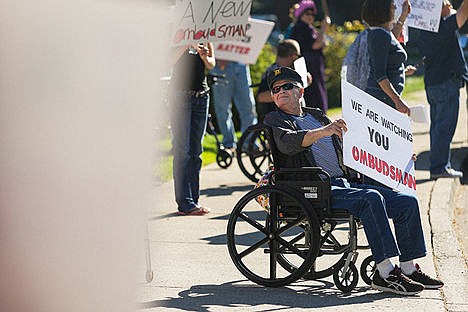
214 20
425 14
301 68
247 49
379 140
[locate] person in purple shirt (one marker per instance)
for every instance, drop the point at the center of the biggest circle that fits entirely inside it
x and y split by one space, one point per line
312 41
445 72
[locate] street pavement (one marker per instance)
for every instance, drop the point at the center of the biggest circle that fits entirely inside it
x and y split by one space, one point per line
193 270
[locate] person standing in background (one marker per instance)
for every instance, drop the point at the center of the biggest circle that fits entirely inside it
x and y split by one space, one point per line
233 86
189 114
386 55
445 73
312 42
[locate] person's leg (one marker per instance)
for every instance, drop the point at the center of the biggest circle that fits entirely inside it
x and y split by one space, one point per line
243 97
181 110
369 206
403 209
198 125
222 92
444 101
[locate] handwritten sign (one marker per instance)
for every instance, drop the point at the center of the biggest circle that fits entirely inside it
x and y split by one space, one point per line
301 68
209 20
247 49
425 14
379 140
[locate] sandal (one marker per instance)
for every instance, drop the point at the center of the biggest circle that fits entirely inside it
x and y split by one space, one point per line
196 211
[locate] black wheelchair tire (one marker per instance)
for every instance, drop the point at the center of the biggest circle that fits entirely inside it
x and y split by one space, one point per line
311 253
367 269
348 282
265 159
223 158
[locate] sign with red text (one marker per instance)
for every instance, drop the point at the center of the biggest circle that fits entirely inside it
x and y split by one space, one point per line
247 49
379 140
209 20
425 14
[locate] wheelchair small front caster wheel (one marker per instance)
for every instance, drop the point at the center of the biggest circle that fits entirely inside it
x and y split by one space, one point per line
224 158
346 281
368 268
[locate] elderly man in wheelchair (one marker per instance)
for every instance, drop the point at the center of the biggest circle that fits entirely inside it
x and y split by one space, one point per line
305 138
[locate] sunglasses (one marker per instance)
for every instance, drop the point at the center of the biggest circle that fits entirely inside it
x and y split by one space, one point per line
285 87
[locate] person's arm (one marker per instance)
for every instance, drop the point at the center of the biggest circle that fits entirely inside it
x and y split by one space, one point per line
320 41
400 104
462 14
337 127
398 26
206 53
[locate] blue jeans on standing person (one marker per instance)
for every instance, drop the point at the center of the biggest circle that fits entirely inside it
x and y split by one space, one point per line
234 87
374 206
444 101
188 124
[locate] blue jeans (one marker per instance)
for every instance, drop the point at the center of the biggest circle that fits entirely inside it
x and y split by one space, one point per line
188 123
234 88
374 206
444 101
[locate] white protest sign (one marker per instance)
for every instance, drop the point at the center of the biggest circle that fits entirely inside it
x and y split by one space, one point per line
379 140
301 68
425 14
209 20
247 49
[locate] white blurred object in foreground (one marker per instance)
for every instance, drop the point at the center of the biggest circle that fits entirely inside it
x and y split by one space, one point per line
77 107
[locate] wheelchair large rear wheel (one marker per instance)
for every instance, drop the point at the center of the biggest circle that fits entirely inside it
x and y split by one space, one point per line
257 237
253 153
328 259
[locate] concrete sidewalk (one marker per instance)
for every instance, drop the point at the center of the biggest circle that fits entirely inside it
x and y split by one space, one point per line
193 270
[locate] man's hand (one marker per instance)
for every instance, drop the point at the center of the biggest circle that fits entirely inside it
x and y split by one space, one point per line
337 127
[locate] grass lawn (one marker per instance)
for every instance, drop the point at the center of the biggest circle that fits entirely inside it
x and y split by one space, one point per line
163 168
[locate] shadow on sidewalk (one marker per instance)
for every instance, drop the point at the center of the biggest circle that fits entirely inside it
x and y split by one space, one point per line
313 294
225 190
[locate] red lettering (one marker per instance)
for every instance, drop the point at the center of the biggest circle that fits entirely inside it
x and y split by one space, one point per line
355 152
398 175
378 165
371 161
385 168
392 172
363 157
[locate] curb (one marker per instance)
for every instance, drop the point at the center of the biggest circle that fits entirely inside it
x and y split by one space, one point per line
448 257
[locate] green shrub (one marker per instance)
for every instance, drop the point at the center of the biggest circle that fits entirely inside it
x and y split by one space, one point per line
265 59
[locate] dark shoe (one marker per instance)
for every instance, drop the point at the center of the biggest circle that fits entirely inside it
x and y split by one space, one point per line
396 283
195 211
427 281
449 173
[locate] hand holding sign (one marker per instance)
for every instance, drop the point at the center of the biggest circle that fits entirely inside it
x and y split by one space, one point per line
337 127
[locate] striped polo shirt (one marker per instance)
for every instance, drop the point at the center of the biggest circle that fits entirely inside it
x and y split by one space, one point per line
323 149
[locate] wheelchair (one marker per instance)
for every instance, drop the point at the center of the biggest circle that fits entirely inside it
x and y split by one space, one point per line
285 230
253 152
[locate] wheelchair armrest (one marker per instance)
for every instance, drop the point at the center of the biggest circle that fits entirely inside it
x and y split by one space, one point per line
313 170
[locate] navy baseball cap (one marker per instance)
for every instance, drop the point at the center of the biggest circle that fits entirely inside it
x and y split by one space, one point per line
283 73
